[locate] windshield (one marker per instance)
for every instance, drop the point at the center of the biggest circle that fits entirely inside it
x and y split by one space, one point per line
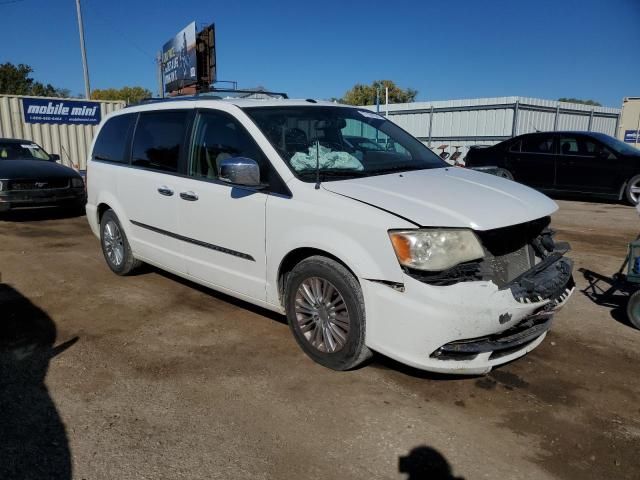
617 145
344 142
22 151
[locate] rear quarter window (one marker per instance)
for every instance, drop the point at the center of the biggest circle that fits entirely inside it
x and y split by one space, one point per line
112 142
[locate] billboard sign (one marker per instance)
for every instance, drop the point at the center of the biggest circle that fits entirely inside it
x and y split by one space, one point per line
632 136
70 112
179 67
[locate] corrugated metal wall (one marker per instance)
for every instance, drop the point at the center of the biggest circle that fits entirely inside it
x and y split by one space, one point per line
486 121
71 142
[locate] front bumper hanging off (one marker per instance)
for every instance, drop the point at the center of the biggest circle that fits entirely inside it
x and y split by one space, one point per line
469 321
551 282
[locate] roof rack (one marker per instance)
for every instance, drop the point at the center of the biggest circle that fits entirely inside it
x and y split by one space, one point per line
215 94
248 93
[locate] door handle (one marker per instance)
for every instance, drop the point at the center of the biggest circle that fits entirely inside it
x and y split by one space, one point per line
189 196
164 190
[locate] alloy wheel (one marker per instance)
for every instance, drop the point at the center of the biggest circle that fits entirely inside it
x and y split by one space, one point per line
634 191
113 243
322 315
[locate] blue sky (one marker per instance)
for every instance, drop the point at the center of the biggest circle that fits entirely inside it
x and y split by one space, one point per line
444 49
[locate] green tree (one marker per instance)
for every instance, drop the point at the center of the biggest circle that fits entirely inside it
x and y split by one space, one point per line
577 100
366 94
127 94
16 80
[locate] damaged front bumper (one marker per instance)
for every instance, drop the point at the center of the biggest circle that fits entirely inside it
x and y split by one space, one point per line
474 324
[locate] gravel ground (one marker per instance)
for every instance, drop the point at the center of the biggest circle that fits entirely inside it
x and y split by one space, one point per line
150 376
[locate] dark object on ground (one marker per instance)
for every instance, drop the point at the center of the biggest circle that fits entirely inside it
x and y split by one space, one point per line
33 441
426 463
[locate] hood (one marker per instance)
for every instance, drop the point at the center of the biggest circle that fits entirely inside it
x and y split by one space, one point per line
34 169
449 197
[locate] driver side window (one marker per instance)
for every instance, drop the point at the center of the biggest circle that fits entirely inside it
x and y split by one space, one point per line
216 137
364 137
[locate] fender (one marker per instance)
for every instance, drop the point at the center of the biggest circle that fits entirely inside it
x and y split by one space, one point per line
353 232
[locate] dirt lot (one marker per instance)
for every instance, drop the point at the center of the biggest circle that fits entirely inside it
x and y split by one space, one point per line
154 377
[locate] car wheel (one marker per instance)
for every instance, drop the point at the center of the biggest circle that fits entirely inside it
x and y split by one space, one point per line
115 245
632 191
503 173
633 309
326 314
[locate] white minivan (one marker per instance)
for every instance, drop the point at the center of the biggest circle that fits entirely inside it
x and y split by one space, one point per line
339 219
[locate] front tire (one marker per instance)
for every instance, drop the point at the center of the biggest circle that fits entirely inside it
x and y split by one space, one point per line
326 314
115 246
503 173
632 190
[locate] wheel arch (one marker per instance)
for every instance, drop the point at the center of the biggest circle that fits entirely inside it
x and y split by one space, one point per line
622 194
295 256
102 208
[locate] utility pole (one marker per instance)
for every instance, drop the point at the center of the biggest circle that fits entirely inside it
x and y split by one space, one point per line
85 69
160 75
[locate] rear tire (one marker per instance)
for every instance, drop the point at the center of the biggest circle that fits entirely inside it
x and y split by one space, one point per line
503 173
326 314
633 309
632 190
115 246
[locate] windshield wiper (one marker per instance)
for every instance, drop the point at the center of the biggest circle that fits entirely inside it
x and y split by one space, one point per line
397 168
334 173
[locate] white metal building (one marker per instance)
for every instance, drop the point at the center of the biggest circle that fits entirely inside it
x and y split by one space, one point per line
486 121
71 142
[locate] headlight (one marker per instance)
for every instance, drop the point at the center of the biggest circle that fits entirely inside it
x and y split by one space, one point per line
435 249
77 182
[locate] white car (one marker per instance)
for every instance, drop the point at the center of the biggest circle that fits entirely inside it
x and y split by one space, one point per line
388 250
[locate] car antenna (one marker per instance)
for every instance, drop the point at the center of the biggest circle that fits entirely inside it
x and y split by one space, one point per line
317 164
534 127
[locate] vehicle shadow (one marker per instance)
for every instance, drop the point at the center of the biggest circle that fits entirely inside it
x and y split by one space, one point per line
426 463
378 361
40 214
33 440
610 292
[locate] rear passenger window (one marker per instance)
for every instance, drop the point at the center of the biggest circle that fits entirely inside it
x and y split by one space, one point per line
537 144
569 146
111 144
158 140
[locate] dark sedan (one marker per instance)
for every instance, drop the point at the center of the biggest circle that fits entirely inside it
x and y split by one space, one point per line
569 162
30 177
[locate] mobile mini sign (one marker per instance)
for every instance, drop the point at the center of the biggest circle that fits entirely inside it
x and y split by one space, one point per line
632 136
70 112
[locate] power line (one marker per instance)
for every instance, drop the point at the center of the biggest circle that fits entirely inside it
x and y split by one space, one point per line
100 18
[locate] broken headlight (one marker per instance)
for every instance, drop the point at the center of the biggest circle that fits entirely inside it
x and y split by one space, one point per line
435 249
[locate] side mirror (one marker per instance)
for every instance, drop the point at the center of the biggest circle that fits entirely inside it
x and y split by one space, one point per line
240 171
54 157
605 154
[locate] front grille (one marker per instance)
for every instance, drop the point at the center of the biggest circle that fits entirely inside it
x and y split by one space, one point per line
502 269
502 241
43 184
